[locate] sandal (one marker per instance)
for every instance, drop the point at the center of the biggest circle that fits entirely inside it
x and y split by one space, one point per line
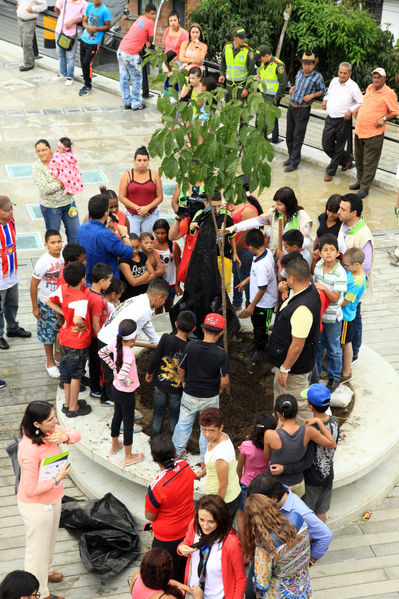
140 458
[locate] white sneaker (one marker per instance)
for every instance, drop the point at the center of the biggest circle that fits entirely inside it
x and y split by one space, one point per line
59 77
53 372
68 81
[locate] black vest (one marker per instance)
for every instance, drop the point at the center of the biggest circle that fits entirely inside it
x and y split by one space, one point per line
281 336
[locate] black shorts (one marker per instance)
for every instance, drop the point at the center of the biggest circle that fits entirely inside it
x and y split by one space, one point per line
73 363
348 331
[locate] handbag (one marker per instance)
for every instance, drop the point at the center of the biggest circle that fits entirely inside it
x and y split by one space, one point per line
64 41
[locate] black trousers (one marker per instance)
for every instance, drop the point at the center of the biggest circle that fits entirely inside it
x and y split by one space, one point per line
336 133
94 365
108 377
297 121
124 405
275 130
179 561
261 319
87 54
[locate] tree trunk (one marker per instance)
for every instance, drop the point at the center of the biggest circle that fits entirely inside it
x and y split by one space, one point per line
287 15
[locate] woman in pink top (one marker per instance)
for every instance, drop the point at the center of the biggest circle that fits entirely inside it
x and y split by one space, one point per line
39 503
251 460
70 13
193 51
174 35
126 381
153 580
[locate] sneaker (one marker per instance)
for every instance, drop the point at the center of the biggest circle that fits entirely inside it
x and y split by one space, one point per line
53 372
393 256
81 411
346 379
287 162
141 107
95 394
85 91
127 107
106 403
59 77
3 384
354 360
81 402
332 385
138 415
68 81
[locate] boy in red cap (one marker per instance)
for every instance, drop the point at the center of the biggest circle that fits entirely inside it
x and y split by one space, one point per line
204 371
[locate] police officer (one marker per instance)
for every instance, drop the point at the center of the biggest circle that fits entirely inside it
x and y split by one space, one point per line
273 81
237 64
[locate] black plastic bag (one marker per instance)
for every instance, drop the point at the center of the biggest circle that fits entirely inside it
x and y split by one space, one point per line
203 285
108 536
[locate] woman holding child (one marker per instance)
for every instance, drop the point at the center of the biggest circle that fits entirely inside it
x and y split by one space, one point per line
39 501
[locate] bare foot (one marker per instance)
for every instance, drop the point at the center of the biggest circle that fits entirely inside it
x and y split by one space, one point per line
115 450
135 458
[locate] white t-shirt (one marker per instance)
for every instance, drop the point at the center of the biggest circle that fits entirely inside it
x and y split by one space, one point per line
136 308
263 276
47 270
213 580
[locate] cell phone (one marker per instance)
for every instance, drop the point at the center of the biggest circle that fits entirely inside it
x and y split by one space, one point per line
113 217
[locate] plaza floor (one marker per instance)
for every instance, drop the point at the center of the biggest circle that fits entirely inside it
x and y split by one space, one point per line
364 558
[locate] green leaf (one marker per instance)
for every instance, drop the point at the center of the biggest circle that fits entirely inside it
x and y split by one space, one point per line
179 136
169 166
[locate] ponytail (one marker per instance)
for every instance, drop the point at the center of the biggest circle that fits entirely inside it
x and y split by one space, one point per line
119 353
287 406
126 327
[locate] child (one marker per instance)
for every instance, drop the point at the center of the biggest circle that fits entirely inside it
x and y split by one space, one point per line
329 223
204 372
293 242
63 166
147 245
319 477
101 275
169 57
230 251
169 254
72 252
356 284
75 335
136 272
46 272
125 383
330 277
263 293
251 459
168 388
113 294
97 19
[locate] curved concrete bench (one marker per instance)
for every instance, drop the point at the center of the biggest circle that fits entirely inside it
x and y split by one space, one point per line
366 461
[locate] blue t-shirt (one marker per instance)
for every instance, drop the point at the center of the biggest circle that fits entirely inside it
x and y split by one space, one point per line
96 17
354 291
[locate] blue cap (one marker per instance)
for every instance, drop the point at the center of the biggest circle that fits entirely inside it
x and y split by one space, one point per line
317 394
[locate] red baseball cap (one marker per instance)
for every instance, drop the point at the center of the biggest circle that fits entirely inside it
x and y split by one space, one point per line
214 322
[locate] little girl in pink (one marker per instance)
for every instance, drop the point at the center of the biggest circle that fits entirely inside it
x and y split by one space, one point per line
63 166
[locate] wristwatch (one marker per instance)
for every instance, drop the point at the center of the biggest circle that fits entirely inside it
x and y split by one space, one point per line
178 219
384 118
284 370
123 236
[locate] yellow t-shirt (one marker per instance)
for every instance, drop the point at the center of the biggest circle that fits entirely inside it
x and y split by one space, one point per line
223 451
301 319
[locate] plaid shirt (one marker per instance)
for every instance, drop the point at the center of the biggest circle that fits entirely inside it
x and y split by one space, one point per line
308 84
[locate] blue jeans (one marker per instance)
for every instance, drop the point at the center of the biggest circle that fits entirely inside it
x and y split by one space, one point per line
358 331
130 67
66 58
8 308
330 340
189 408
54 216
161 400
142 224
239 274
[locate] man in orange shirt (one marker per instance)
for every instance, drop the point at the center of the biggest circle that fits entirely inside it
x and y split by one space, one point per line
380 104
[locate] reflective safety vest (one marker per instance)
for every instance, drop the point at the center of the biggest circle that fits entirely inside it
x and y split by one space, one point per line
236 66
269 83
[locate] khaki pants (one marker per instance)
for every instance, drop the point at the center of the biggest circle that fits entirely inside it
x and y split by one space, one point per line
295 384
26 33
367 156
41 523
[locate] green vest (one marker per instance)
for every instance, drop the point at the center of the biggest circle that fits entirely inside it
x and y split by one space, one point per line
236 66
293 223
269 83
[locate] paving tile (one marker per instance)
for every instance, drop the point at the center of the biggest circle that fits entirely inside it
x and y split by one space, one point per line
348 579
341 555
385 548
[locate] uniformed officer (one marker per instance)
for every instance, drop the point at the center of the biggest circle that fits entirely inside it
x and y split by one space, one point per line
237 64
273 81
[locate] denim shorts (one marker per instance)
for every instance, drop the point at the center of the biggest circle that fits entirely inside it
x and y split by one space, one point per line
73 363
244 493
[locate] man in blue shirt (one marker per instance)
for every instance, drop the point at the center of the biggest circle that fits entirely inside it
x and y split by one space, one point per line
97 19
309 85
320 535
101 244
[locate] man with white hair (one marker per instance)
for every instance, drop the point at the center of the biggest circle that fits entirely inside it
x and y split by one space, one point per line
342 99
380 104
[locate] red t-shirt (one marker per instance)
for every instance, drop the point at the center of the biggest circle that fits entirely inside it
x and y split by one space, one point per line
137 35
62 281
170 496
97 306
73 303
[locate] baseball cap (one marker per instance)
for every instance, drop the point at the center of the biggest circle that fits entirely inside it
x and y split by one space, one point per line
380 71
5 203
263 49
308 57
214 322
239 32
317 394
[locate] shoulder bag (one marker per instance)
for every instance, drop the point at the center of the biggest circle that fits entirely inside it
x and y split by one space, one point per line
64 41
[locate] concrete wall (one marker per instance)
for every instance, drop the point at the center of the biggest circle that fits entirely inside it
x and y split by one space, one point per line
390 16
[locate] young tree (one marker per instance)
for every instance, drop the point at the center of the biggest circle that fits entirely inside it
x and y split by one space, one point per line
229 143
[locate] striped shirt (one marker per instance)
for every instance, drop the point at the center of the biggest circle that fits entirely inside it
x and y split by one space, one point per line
334 280
307 84
8 255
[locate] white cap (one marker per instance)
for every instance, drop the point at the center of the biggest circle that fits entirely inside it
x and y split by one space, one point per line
380 71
